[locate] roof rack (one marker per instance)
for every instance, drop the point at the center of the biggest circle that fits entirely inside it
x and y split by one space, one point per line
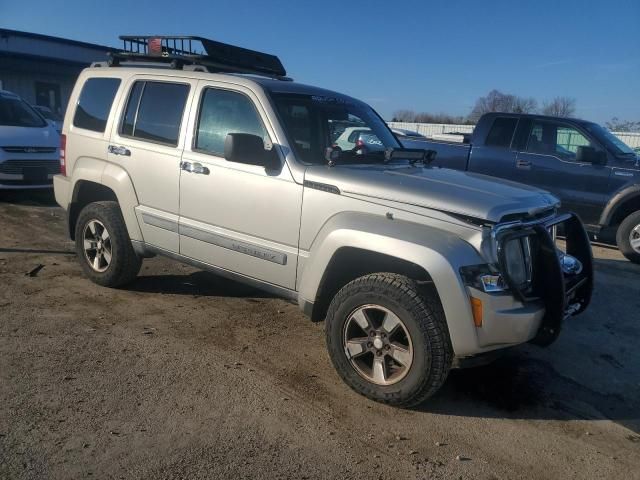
190 52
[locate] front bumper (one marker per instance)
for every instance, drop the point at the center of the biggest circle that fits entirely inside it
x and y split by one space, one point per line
561 294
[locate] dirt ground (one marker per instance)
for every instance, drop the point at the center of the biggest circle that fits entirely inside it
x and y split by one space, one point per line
186 375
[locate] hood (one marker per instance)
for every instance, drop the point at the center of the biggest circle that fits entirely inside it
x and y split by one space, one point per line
451 191
29 136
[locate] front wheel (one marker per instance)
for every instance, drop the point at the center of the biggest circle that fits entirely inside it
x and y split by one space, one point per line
387 341
104 247
628 237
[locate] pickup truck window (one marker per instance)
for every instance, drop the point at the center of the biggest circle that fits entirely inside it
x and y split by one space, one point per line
551 138
223 112
154 111
95 102
501 132
314 123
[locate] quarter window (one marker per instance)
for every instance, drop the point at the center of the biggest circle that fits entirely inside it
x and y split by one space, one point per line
95 103
154 111
501 132
223 112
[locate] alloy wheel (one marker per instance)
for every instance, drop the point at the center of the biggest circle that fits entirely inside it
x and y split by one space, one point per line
378 345
97 245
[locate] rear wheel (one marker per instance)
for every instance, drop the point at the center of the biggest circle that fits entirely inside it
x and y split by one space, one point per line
103 245
628 237
387 340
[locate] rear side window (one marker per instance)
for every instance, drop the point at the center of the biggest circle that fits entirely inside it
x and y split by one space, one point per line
154 111
95 103
223 112
501 132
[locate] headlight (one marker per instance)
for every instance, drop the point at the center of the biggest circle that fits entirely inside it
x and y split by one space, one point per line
517 260
483 277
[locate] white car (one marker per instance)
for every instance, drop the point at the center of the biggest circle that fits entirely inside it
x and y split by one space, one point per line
351 135
29 145
50 116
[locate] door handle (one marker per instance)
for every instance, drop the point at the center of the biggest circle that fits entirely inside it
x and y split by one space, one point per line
524 164
196 168
116 150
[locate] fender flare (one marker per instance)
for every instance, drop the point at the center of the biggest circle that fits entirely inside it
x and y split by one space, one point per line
619 198
438 252
115 178
118 180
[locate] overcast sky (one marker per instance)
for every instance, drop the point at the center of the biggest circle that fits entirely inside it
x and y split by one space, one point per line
419 55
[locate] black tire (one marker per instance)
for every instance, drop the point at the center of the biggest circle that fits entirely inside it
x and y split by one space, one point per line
424 322
623 236
124 263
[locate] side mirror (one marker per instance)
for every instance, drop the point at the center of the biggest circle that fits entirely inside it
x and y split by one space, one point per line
250 149
591 155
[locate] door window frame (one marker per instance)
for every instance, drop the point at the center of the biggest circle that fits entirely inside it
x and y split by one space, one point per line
562 124
125 105
196 119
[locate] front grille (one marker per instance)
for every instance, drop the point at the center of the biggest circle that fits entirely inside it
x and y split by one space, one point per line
15 167
29 149
562 294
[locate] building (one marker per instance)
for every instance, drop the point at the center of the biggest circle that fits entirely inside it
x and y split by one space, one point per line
43 69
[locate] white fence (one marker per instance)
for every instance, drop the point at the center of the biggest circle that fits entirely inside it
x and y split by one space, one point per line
430 129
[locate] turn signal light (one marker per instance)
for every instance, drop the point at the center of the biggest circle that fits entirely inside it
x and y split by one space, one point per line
476 308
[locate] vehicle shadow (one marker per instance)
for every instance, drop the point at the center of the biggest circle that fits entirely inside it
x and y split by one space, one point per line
517 387
200 283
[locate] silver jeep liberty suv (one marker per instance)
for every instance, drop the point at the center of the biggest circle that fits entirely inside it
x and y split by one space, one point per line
218 160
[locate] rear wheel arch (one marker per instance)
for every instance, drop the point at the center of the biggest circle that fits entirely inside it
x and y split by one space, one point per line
84 193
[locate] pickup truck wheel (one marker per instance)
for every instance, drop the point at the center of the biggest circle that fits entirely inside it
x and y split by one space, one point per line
628 237
104 247
387 341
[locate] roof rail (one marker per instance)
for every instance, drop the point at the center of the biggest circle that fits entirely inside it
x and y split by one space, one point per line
190 52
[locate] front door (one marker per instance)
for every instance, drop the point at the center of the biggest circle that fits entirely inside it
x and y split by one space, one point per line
147 143
239 217
548 161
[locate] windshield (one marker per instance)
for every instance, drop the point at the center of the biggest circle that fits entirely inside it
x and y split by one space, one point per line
314 123
14 112
613 143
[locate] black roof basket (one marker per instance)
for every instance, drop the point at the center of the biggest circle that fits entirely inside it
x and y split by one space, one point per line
179 51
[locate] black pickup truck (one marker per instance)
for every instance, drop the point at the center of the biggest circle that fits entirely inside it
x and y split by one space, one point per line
589 169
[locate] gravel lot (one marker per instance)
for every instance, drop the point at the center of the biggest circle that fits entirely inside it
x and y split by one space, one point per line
186 375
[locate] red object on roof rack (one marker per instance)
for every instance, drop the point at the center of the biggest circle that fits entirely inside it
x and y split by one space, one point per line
191 50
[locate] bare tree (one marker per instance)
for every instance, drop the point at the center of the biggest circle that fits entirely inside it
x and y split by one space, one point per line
617 125
525 105
496 101
404 116
560 107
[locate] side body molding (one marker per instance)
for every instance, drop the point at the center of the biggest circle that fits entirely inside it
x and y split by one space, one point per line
440 253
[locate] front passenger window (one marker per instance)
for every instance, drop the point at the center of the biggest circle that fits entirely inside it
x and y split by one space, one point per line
555 139
223 112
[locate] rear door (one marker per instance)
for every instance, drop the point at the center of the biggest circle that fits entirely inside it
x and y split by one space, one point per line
147 142
548 161
497 156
